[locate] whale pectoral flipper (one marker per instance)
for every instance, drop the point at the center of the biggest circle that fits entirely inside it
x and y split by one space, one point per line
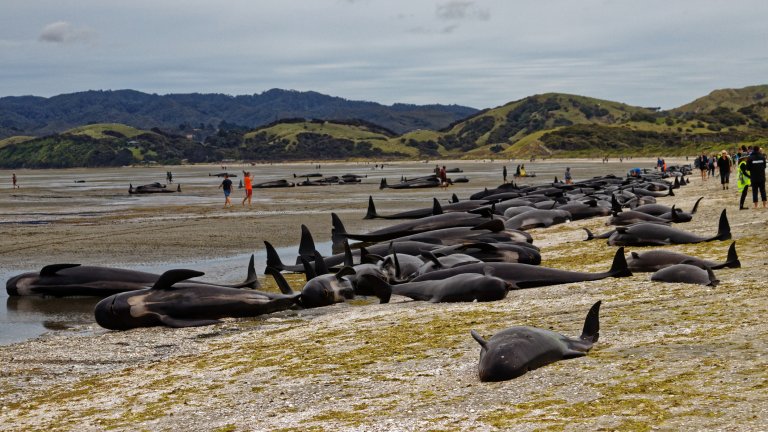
171 277
478 338
574 353
180 323
282 284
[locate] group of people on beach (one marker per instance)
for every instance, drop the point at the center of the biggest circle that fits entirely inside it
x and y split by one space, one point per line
749 163
226 186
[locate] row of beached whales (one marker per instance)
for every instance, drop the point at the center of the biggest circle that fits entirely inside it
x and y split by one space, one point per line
473 250
312 179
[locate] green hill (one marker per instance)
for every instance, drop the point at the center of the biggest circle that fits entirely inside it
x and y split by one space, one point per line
315 139
546 125
733 99
101 145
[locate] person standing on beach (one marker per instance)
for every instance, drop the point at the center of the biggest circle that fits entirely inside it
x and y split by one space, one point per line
724 166
226 185
702 163
13 177
443 175
711 166
504 173
567 176
248 188
743 180
756 166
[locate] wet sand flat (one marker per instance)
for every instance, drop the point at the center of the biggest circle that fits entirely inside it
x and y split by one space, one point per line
670 356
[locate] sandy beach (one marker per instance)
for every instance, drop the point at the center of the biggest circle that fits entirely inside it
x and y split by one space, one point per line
670 356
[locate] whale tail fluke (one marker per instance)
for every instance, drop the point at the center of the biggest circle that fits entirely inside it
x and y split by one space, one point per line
591 331
590 236
338 232
454 198
320 267
732 260
615 206
371 213
619 268
273 259
307 244
349 259
383 184
437 209
251 279
723 228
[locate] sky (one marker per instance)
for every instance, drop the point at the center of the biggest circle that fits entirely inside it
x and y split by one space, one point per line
483 54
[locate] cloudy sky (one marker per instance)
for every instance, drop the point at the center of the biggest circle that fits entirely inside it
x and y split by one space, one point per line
480 53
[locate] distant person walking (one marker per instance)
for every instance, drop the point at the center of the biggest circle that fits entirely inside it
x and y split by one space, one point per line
756 165
248 188
702 162
13 177
724 166
568 178
743 180
226 185
504 173
711 166
443 177
169 177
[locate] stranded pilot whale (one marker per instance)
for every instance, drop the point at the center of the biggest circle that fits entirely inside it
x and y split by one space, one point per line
187 305
517 350
654 260
686 273
64 280
531 276
651 234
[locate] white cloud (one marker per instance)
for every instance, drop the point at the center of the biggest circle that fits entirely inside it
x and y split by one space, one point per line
62 32
461 10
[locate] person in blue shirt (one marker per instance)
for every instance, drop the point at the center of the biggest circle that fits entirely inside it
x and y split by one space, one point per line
226 185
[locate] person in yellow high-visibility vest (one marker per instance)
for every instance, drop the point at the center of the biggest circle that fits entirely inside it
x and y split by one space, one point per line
743 180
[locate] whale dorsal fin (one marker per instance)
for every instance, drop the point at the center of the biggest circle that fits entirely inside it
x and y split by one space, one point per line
51 270
320 267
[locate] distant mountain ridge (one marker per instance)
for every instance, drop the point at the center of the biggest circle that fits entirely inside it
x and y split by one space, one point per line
544 125
38 116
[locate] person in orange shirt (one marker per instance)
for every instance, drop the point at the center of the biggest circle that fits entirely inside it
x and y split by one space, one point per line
248 188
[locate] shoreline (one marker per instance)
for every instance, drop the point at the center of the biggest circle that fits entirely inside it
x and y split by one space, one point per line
670 356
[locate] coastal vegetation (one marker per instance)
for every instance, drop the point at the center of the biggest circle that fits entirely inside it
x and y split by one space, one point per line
546 125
